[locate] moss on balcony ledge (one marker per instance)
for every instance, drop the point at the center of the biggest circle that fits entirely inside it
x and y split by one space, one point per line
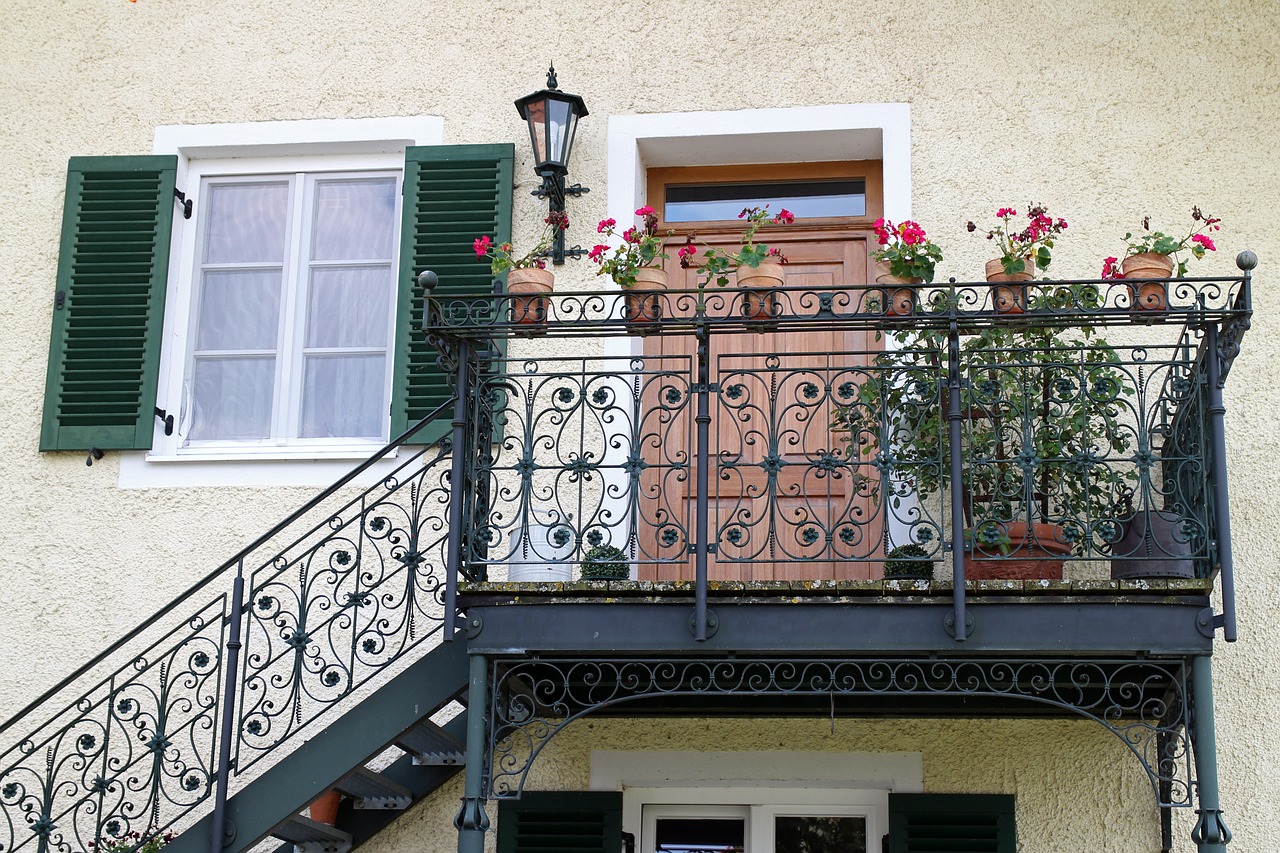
817 591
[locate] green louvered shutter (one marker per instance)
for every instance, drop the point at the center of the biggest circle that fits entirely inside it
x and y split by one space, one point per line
452 195
561 822
104 351
951 823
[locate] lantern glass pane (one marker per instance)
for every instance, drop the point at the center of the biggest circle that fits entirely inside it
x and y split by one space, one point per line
536 116
559 131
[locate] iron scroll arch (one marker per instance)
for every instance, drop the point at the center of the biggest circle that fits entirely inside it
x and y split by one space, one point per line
1144 703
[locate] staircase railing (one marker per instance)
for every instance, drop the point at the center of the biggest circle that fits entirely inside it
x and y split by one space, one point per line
337 594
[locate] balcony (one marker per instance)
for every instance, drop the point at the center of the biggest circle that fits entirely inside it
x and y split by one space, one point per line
1055 450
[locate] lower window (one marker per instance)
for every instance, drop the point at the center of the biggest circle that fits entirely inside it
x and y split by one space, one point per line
842 825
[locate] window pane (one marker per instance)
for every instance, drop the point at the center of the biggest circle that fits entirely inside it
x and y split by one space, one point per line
820 835
806 199
349 307
699 835
246 223
354 220
232 398
239 310
343 396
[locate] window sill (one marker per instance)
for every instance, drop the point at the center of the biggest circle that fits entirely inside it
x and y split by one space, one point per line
310 467
353 454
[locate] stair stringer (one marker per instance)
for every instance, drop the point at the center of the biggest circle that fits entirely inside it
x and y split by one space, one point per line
348 742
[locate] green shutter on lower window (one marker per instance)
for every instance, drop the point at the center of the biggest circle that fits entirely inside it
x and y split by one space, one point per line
561 822
951 823
452 195
108 303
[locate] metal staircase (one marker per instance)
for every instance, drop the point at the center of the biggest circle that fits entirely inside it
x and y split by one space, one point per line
279 676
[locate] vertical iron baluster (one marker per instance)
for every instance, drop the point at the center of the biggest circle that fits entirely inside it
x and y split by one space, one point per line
703 421
457 489
954 416
1222 517
230 680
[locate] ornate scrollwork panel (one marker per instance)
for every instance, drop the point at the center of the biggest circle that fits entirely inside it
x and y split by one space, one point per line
1143 703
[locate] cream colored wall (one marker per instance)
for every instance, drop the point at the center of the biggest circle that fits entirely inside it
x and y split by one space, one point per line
1105 114
1056 772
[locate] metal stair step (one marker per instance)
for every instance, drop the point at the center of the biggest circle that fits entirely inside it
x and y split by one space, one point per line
431 745
372 791
308 836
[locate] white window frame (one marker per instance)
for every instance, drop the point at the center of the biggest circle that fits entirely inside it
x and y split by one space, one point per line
759 806
283 445
273 147
827 781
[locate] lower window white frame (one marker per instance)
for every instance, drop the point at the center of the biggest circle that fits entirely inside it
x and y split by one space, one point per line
643 807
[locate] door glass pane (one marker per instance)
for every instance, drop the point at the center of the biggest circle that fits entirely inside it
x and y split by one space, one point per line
820 835
700 835
246 223
354 220
349 307
232 398
806 199
343 396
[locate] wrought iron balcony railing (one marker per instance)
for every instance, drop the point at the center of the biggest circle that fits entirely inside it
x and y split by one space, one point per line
1055 422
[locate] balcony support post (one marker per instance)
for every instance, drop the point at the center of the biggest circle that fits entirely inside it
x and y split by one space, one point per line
472 822
231 680
955 426
1222 515
1210 832
701 521
457 488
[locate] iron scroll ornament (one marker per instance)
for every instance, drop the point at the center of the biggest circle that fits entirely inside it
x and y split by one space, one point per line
1143 703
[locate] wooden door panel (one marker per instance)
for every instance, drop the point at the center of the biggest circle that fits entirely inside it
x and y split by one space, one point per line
772 414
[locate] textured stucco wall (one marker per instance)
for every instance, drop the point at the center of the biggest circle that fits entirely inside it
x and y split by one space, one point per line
1105 114
1055 770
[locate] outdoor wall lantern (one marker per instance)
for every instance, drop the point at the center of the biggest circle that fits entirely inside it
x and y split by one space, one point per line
552 117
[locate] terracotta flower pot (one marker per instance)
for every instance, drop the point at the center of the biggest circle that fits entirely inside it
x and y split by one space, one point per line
1009 298
1150 295
757 284
530 286
325 808
642 304
1152 545
1036 553
898 301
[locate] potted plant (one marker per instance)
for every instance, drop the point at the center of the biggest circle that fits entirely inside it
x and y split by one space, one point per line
1151 255
906 256
635 264
133 842
908 562
527 275
1022 250
605 563
1041 405
759 267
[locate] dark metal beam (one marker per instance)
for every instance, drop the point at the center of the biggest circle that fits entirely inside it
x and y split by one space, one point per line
838 628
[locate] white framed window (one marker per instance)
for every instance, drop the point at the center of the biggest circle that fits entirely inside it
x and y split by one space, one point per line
291 299
759 820
306 203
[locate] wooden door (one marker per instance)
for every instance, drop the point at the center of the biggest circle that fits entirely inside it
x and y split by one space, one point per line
778 510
